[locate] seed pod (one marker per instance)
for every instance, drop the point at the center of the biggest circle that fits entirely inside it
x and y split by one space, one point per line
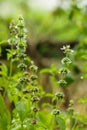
35 89
66 61
21 18
33 77
35 109
26 91
21 35
23 80
21 26
62 83
22 66
33 68
21 46
59 95
26 73
56 112
71 103
34 121
35 99
13 28
33 83
64 71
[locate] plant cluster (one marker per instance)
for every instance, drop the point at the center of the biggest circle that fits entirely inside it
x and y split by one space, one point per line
22 89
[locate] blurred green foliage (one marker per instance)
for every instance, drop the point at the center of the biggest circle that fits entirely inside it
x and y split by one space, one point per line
60 24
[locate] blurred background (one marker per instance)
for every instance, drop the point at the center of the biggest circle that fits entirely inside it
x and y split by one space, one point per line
50 25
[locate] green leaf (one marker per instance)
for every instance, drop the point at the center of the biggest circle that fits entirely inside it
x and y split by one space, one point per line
4 41
84 57
4 115
4 70
31 127
45 71
21 108
82 118
83 100
10 53
44 120
84 75
61 123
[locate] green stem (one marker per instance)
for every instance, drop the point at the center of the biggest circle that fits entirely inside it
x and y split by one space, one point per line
22 126
10 68
11 64
73 128
34 127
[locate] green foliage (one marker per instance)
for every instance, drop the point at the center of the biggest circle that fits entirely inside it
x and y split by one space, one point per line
61 123
22 87
4 115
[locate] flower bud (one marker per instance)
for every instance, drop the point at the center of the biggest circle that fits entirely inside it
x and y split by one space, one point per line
34 121
33 77
66 61
62 83
64 71
35 109
56 112
59 95
35 99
